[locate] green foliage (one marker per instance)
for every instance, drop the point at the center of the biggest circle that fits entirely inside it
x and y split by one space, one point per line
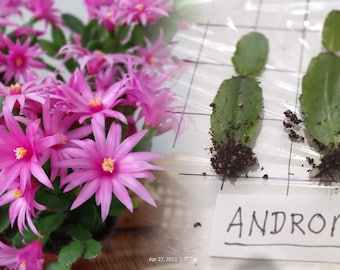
50 48
46 224
4 218
58 36
116 207
53 201
74 23
78 232
86 215
92 249
237 107
71 253
320 99
58 266
330 32
251 54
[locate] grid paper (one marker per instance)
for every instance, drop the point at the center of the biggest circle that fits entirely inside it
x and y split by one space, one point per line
294 32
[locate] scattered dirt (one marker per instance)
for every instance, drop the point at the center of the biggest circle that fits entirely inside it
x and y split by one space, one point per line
290 124
292 117
330 163
197 225
231 159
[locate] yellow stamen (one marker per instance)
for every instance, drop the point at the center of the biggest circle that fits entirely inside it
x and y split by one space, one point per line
20 152
19 61
95 105
95 102
109 15
140 7
153 60
17 193
15 89
22 265
62 141
108 165
98 53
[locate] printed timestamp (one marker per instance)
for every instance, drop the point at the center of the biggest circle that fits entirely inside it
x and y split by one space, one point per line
173 259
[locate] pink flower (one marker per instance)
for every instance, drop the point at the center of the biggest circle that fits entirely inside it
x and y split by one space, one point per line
44 10
27 258
93 5
96 61
16 95
80 99
155 56
56 121
158 111
106 167
22 206
146 92
144 11
22 155
9 7
108 16
25 31
20 59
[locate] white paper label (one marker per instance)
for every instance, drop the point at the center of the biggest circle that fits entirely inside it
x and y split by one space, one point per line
302 228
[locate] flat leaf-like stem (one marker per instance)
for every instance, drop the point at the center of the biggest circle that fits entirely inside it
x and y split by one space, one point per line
236 110
251 54
320 99
330 31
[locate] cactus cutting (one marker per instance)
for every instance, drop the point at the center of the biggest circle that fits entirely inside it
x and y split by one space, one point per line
237 107
320 98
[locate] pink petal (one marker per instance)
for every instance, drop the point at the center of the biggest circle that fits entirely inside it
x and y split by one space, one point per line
127 145
86 192
40 174
121 193
113 139
137 188
98 128
104 197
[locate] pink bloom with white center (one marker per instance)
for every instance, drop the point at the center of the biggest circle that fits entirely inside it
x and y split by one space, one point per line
30 257
22 206
20 59
44 10
22 155
107 166
80 99
144 11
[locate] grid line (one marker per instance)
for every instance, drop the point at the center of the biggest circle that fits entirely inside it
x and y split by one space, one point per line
302 49
286 159
262 27
190 85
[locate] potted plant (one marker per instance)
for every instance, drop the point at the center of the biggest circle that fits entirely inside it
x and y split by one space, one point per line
80 104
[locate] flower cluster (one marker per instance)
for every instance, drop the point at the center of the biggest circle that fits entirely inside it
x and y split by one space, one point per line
80 103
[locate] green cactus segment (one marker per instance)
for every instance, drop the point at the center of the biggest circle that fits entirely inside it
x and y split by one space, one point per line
251 54
320 99
330 32
236 110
